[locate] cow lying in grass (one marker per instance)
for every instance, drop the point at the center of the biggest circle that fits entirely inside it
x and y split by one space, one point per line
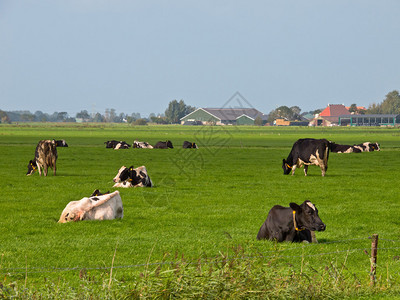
292 224
364 147
102 207
45 157
145 145
132 177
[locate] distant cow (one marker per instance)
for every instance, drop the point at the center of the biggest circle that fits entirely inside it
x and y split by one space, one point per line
111 144
337 148
368 147
61 143
164 145
187 145
307 152
292 224
45 157
122 145
145 145
132 177
103 207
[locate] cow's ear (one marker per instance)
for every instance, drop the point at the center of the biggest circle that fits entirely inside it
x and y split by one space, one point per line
295 207
131 168
284 161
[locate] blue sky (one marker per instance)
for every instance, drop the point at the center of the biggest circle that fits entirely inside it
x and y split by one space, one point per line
136 56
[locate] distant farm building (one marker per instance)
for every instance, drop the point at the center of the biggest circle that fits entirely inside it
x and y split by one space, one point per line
369 120
330 115
225 116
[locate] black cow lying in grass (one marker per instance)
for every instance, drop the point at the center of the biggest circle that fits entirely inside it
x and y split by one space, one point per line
61 143
292 224
163 145
187 145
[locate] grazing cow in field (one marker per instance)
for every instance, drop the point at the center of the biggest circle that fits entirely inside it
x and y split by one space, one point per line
122 145
61 143
307 152
292 224
102 207
45 157
187 145
144 145
132 177
164 145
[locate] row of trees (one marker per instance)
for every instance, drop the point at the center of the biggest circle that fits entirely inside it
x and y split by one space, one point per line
173 113
178 109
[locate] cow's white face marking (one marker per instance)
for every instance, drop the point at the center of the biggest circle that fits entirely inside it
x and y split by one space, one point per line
117 177
311 205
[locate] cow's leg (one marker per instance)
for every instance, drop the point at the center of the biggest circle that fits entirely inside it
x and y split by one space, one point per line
323 169
54 168
45 170
305 170
293 169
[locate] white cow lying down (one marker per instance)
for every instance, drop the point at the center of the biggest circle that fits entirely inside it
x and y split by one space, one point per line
104 207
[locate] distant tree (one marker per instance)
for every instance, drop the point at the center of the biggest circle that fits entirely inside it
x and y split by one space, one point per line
177 110
353 108
391 105
140 122
98 118
27 117
258 121
83 115
282 112
159 120
4 118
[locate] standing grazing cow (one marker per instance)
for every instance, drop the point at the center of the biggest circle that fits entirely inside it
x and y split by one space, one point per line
137 144
132 177
291 224
187 145
164 145
307 152
103 207
45 157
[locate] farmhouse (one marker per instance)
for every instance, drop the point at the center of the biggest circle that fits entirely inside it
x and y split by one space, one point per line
369 120
330 115
224 116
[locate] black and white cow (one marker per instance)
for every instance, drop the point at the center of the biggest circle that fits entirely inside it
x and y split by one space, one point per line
163 145
144 145
61 143
98 193
111 144
132 177
296 223
187 145
307 152
122 145
368 147
337 148
45 157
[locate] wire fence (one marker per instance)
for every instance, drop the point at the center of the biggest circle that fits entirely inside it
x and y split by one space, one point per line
276 253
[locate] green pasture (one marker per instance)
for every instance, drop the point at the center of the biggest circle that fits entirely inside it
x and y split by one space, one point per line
181 237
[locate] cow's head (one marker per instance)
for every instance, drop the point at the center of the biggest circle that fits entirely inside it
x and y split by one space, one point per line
286 167
123 174
375 146
32 167
194 145
169 144
307 217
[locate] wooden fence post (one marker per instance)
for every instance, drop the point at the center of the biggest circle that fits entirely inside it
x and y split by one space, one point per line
374 253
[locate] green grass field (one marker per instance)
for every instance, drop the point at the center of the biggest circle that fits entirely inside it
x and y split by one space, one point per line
194 233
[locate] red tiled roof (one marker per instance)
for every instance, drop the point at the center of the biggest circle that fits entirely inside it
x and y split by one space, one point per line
334 110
